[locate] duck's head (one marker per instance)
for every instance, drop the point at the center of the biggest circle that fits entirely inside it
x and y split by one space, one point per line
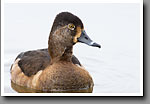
68 29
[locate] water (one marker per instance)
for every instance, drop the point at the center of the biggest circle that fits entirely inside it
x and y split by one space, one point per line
115 68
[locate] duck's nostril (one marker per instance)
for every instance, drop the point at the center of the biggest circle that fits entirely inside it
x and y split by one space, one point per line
86 38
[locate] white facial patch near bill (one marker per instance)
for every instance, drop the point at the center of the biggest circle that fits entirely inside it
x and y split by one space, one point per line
78 34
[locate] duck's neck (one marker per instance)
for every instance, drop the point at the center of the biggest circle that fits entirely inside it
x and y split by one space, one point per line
59 52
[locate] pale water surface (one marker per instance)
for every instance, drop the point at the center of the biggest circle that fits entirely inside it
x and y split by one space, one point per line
115 68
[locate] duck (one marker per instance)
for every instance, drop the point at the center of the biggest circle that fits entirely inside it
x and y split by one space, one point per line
55 69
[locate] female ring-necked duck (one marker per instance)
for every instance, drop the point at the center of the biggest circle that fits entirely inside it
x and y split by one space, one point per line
55 68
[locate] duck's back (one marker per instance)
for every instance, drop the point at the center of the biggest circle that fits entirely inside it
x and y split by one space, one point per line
31 62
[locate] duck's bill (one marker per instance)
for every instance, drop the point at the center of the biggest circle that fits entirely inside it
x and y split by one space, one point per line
84 38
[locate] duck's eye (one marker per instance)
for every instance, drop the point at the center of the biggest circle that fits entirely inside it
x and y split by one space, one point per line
71 26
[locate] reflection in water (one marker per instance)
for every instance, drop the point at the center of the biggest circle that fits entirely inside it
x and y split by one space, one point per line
22 89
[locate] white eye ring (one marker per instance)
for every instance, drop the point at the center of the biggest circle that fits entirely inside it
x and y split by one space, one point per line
71 26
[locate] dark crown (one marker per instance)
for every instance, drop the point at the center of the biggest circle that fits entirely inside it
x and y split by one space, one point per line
65 18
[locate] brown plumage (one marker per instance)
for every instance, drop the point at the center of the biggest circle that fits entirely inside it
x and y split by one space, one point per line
55 69
33 61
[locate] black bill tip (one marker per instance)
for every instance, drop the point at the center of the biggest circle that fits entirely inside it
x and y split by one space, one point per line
95 44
